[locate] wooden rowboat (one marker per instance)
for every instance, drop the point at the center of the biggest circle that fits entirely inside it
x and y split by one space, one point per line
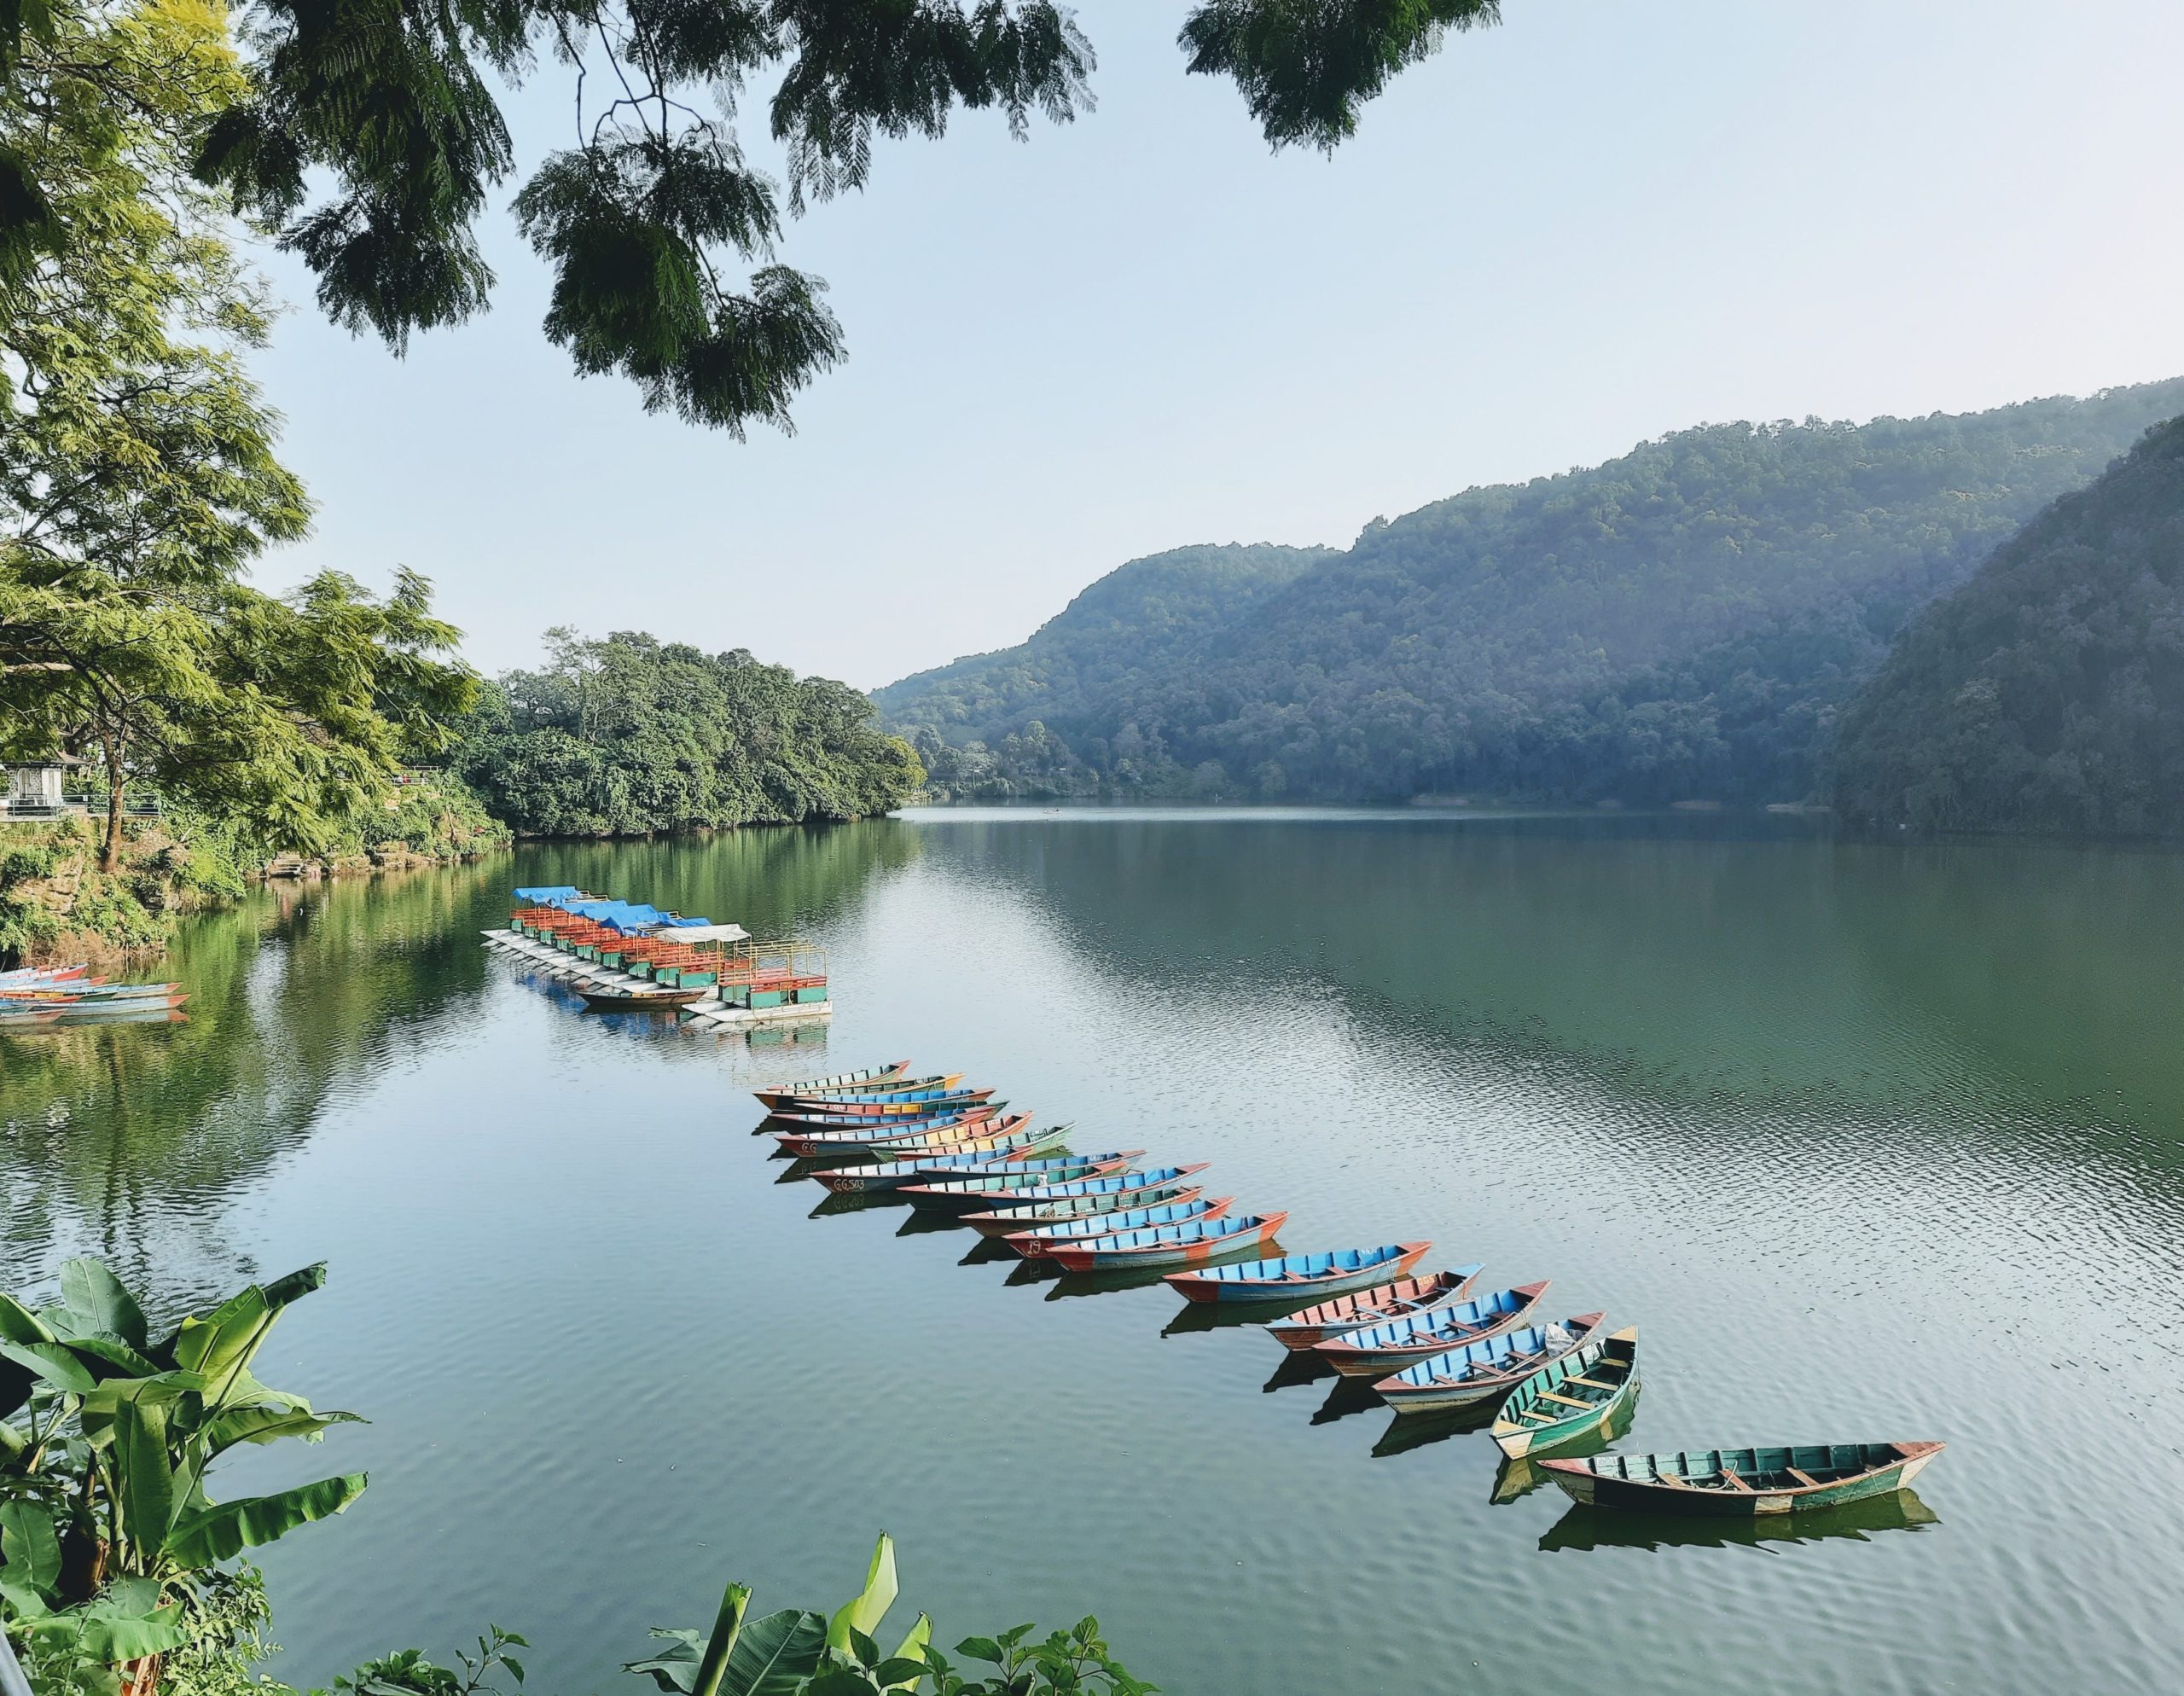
874 1076
883 1113
1568 1398
823 1100
1375 1350
908 1142
1374 1306
1157 1245
1109 1190
12 1017
1034 1243
1327 1273
1484 1371
846 1140
799 1123
975 1193
1029 1150
1165 1183
917 1103
979 1191
1744 1483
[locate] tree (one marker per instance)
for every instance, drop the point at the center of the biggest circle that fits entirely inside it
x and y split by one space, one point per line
385 106
138 478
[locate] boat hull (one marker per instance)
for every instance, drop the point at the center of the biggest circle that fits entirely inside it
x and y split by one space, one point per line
1522 1429
1354 1357
1371 1306
1031 1147
1581 1484
1011 1220
1317 1287
1033 1246
1193 1250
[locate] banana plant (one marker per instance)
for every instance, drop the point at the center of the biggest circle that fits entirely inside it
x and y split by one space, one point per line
794 1652
121 1430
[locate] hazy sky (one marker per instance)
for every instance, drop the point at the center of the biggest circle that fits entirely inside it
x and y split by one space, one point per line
1600 222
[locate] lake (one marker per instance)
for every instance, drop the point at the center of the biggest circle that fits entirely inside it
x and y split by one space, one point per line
1872 1142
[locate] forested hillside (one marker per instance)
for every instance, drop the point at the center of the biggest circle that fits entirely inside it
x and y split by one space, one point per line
2048 693
631 735
1685 622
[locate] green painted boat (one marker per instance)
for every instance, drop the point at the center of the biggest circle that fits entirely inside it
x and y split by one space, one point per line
1568 1398
1744 1484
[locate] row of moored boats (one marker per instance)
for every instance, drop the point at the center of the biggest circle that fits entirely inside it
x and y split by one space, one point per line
36 996
1427 1342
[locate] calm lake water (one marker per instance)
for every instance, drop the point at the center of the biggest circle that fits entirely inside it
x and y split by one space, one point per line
1872 1142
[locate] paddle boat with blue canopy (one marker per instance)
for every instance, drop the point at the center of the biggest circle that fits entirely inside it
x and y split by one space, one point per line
1375 1350
1565 1399
1327 1273
1148 1190
1484 1371
1034 1243
1372 1306
1157 1245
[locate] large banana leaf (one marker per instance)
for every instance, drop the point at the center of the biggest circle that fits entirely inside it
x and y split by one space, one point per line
144 1473
124 1625
225 1338
53 1363
864 1610
772 1655
269 1425
94 1304
18 1324
29 1544
675 1668
203 1535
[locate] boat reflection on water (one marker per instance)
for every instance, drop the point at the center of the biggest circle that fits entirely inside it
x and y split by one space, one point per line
1407 1432
1586 1528
858 1201
1102 1283
1225 1315
1349 1396
1520 1476
1298 1366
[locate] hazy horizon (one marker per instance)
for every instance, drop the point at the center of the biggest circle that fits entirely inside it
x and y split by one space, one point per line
1143 331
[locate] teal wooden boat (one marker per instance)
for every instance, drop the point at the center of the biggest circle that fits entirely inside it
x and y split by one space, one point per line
1375 1350
1744 1483
1046 1238
1484 1371
852 1140
1148 1189
1570 1398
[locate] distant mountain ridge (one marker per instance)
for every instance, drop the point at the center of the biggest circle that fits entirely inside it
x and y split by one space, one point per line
1686 621
2046 693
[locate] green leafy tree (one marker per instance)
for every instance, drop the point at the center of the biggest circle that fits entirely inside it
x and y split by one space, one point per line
138 478
631 735
369 138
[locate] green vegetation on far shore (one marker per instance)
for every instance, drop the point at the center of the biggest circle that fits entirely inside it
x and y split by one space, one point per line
1685 623
632 736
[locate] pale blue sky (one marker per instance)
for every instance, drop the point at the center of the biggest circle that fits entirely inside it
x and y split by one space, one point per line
1600 221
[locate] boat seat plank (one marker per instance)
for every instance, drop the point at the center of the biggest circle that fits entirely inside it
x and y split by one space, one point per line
1591 1383
1805 1478
1733 1481
1566 1400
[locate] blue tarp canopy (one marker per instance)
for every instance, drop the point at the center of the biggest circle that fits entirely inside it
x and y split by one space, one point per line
679 923
636 918
593 909
543 894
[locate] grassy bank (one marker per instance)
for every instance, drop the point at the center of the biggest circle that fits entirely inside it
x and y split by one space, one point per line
56 905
